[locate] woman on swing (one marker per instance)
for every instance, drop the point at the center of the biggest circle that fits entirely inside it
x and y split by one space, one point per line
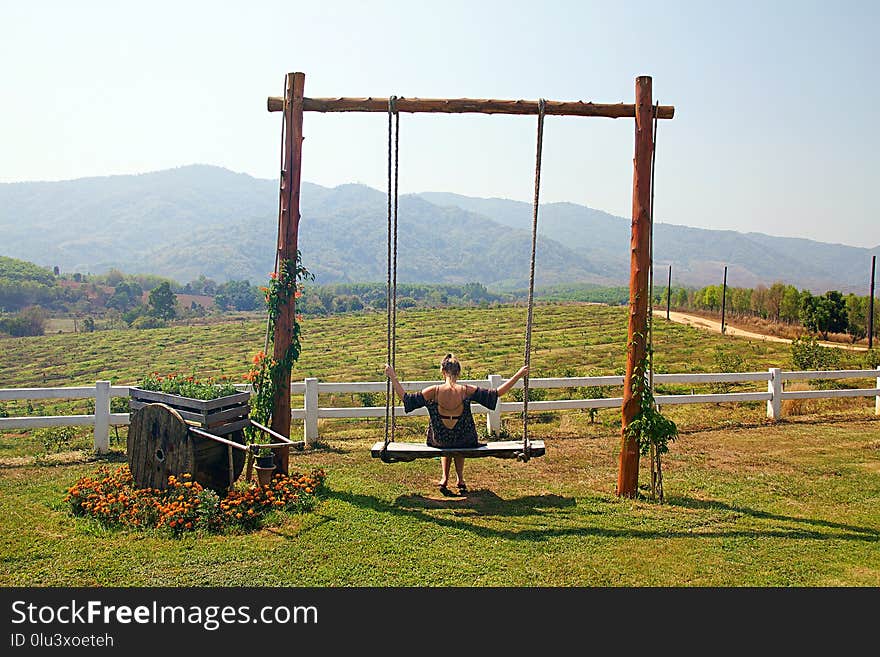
449 407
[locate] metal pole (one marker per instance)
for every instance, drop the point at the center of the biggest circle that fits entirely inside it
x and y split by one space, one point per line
871 306
668 290
723 298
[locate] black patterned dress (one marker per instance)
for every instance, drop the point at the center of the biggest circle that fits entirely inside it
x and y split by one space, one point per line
464 432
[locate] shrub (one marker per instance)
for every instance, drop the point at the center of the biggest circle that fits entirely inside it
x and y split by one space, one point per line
727 361
55 439
808 354
535 394
148 322
592 392
28 322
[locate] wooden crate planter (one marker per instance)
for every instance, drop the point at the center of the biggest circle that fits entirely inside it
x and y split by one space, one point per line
160 444
220 416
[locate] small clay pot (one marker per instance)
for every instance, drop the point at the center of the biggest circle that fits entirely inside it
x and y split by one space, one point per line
264 475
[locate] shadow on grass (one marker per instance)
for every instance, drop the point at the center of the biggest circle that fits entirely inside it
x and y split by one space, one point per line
715 505
841 417
321 447
552 509
484 502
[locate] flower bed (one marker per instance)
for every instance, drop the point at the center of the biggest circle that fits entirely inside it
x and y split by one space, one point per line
112 499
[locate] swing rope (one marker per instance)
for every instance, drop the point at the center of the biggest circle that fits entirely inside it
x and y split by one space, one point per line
391 287
531 303
656 473
391 282
278 233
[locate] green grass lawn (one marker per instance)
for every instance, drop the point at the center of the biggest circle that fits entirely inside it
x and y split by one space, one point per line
748 502
789 505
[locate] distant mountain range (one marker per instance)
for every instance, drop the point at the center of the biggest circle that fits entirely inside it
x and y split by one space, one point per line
207 220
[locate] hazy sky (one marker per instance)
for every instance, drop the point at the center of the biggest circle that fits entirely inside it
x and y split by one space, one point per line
774 130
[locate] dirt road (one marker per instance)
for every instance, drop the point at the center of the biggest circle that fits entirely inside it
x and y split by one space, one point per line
711 325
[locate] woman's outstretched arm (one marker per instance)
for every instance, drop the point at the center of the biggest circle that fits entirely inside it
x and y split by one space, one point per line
391 374
507 385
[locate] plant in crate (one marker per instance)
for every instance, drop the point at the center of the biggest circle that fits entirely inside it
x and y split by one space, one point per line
179 423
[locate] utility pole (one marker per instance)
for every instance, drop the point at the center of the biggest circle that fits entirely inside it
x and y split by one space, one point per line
871 306
723 298
668 291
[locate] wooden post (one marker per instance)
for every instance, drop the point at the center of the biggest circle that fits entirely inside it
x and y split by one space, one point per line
102 417
668 290
310 406
871 306
640 262
493 418
723 298
288 229
774 387
877 398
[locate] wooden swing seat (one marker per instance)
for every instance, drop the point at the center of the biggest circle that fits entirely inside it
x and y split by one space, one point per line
502 449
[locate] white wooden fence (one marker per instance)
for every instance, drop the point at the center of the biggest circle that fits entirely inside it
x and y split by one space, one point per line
311 388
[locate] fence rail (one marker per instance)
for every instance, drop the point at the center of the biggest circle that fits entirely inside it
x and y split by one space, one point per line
310 389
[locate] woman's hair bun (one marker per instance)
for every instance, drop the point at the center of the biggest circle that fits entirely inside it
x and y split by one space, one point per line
449 355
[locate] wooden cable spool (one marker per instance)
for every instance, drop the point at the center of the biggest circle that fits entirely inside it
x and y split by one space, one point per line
160 444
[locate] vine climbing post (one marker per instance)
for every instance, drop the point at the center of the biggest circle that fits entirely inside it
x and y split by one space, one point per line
288 229
640 262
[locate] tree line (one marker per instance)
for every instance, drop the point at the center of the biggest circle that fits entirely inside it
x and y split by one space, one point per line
823 314
30 293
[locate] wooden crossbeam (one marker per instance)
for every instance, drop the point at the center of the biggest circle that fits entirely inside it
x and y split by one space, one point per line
470 105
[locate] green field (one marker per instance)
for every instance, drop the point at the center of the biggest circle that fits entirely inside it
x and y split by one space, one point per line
576 339
749 502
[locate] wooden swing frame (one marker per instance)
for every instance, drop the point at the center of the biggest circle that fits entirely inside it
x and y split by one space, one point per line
294 104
